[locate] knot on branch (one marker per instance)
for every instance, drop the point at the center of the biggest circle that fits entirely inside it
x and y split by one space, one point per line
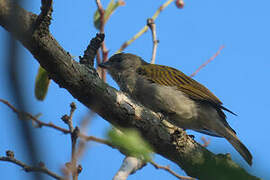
10 154
75 133
91 50
178 138
44 18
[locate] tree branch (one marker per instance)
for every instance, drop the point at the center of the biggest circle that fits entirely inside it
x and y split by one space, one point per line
128 167
74 136
41 168
207 62
104 50
167 168
33 118
91 50
151 24
114 106
145 28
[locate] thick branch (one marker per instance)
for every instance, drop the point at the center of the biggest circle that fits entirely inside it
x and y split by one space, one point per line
114 106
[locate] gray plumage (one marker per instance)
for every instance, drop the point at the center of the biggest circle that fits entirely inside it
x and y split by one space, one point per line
187 103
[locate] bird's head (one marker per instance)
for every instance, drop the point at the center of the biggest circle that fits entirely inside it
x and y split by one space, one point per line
122 63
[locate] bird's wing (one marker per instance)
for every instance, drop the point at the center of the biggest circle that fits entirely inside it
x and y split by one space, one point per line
168 76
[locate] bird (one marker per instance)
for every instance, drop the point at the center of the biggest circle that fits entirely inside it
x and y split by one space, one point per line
187 103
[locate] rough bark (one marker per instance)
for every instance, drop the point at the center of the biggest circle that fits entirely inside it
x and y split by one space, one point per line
114 106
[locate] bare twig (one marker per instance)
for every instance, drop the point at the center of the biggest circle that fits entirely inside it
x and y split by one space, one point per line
77 152
41 168
34 119
100 71
65 131
129 166
81 135
103 46
167 168
67 119
83 130
73 169
151 24
123 173
98 58
208 61
145 28
98 140
102 15
74 136
205 142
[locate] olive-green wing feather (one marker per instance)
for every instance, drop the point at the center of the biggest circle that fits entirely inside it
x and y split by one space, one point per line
168 76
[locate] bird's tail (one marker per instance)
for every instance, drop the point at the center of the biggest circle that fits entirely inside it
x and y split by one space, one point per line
239 146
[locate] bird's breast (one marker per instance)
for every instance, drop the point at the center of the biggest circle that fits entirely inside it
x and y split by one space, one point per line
167 100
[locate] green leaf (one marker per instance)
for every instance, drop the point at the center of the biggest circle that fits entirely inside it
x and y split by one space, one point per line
131 143
97 19
41 84
108 12
110 9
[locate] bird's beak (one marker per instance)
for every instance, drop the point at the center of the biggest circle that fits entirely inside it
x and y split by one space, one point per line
104 65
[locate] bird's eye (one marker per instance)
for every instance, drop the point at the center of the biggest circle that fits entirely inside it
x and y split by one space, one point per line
116 60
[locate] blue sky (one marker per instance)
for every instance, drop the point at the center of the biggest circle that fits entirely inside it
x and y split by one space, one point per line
188 37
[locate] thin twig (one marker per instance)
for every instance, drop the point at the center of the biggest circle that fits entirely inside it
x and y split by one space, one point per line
98 140
208 61
102 15
28 168
145 28
65 131
205 142
73 135
104 59
99 70
81 135
101 30
108 143
83 129
34 119
167 168
151 24
69 120
72 131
